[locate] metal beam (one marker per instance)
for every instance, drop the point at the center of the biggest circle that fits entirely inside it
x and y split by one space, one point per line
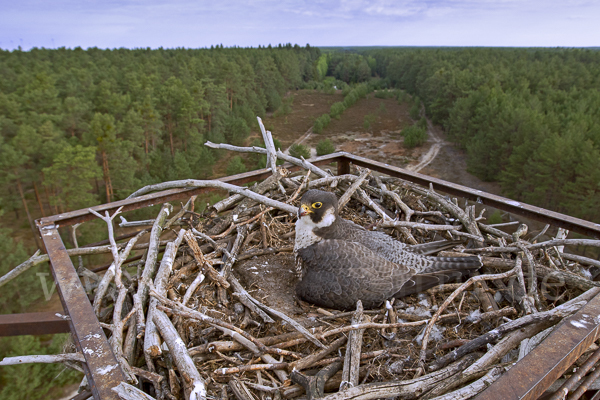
530 377
102 369
148 200
35 323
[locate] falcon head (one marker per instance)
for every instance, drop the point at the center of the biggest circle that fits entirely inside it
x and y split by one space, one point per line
319 206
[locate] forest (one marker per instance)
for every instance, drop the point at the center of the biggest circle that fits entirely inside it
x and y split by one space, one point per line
527 118
84 127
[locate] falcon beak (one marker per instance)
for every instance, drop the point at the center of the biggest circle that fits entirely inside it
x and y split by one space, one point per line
303 210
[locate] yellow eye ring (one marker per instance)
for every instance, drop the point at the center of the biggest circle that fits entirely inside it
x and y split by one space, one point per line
318 204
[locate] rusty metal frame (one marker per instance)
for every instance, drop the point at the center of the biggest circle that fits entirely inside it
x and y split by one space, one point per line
529 378
101 366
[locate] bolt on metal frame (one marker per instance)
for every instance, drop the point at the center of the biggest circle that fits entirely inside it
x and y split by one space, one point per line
531 376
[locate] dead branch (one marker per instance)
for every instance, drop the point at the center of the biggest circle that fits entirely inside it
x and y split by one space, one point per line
194 183
565 242
408 212
127 392
474 388
201 261
353 351
505 345
468 222
409 389
355 185
141 297
554 315
311 359
151 339
43 359
280 155
417 225
193 383
447 302
314 386
269 146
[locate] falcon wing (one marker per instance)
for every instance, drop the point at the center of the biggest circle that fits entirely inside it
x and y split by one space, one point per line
338 273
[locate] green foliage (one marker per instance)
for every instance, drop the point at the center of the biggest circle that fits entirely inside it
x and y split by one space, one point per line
415 110
236 166
321 123
337 109
402 96
329 85
325 147
33 381
349 67
73 161
369 120
145 112
19 293
494 218
286 107
385 94
299 150
322 65
414 136
236 130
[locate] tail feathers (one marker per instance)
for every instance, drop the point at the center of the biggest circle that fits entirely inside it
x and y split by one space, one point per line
421 282
452 263
433 247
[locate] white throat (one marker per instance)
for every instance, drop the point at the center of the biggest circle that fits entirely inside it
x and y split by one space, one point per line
305 226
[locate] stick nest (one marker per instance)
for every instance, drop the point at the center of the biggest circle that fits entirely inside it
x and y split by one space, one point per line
242 349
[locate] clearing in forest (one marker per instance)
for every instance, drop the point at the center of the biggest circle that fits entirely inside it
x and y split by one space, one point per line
380 140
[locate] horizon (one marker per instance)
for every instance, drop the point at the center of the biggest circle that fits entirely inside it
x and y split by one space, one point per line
134 24
320 47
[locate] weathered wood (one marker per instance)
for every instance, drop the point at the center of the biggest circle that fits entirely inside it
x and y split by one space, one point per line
409 389
194 386
128 392
353 350
353 188
141 297
151 338
42 359
194 183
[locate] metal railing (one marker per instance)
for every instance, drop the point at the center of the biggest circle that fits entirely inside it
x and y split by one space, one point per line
528 379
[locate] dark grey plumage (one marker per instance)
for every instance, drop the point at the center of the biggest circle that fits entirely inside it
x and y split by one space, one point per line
342 262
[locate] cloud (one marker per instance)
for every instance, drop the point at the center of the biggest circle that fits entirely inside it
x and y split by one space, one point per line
190 23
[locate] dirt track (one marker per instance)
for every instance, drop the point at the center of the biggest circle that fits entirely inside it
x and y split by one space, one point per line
431 154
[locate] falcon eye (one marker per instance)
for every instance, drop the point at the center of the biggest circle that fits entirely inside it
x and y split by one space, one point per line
317 204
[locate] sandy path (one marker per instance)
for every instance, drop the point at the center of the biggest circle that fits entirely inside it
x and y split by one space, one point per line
433 151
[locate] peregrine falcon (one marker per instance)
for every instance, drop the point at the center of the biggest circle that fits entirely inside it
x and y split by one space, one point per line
343 262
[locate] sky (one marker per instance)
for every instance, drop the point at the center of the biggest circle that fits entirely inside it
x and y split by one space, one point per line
197 24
